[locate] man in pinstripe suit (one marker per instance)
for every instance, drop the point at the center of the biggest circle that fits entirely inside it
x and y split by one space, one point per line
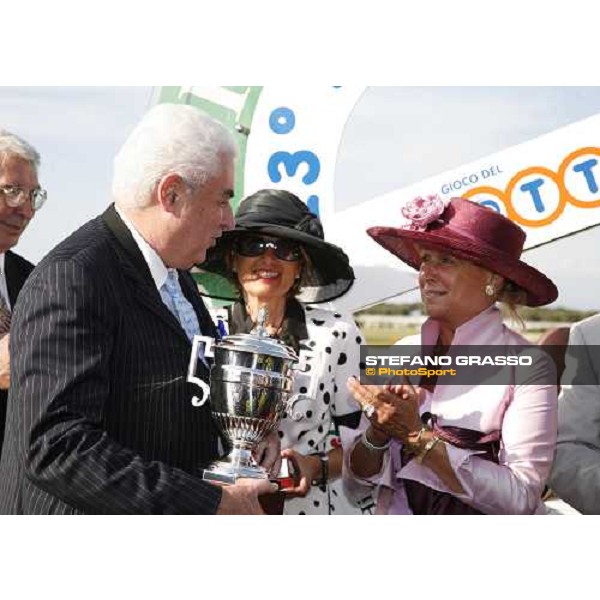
100 418
20 197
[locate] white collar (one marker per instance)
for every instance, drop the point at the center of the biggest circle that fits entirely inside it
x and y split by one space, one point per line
2 260
158 270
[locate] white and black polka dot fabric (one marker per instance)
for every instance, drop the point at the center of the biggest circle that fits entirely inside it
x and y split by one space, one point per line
332 352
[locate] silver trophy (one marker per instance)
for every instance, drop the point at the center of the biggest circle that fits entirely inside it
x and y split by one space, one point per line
251 383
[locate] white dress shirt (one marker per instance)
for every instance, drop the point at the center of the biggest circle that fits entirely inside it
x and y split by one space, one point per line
158 270
157 267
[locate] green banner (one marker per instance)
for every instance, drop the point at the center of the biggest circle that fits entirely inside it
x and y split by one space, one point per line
231 105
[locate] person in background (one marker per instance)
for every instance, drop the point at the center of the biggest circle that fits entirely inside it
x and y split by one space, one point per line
20 198
277 257
459 449
576 472
554 342
100 414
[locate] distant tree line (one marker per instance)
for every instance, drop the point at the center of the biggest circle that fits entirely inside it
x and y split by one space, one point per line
560 315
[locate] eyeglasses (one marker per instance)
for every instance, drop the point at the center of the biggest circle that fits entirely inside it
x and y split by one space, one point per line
15 196
257 246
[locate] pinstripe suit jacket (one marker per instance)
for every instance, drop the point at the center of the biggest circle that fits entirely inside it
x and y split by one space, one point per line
17 269
100 418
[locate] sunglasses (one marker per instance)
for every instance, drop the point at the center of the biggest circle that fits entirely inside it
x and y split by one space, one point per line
256 246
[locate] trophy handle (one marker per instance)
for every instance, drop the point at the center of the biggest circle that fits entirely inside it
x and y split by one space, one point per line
208 353
300 366
289 407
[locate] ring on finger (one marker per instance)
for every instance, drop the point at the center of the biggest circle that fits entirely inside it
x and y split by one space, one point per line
369 410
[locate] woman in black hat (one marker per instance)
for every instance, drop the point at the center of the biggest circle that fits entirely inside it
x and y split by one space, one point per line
277 257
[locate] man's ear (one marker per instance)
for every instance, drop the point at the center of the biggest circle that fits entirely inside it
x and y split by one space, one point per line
170 188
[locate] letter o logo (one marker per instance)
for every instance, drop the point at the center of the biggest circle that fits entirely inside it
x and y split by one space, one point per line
536 190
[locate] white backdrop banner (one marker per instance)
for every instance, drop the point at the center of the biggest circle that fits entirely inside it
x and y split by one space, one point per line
289 138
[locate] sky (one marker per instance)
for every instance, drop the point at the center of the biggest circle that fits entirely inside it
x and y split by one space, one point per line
395 136
398 136
77 131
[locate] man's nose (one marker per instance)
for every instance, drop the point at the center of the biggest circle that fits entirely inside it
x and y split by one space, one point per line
229 219
25 209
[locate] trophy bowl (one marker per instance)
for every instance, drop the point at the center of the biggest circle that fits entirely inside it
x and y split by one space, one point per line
251 384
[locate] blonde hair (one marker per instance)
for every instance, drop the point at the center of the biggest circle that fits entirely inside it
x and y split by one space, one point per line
512 297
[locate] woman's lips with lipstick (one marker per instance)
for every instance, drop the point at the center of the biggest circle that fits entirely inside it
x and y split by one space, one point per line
266 274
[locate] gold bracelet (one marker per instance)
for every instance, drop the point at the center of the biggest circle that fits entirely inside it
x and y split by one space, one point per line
429 446
414 447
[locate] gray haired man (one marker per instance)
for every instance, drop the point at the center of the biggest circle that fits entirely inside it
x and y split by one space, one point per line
20 198
101 418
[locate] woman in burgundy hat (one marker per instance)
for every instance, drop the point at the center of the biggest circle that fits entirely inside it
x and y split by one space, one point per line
459 449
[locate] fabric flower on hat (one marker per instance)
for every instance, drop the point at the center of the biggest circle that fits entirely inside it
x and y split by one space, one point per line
423 211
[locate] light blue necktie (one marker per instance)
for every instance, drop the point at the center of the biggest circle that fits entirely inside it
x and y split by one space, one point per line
179 305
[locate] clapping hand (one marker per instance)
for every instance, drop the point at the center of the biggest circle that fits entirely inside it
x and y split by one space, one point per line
392 410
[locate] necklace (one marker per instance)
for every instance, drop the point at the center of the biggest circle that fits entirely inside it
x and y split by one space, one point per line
276 333
272 334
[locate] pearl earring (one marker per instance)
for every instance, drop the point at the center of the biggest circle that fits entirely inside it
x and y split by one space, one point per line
489 290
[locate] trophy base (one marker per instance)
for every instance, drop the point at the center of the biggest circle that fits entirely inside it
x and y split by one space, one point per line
228 473
238 465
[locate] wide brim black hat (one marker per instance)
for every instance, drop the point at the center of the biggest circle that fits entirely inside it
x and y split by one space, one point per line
277 213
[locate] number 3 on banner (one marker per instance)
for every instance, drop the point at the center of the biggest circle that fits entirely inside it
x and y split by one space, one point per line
291 163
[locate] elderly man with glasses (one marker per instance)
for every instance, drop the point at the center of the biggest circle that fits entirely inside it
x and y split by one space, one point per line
20 198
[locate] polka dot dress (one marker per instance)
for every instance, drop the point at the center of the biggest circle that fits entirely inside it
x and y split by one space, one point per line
332 353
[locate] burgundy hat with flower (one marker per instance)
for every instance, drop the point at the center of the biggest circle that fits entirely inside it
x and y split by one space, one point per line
468 231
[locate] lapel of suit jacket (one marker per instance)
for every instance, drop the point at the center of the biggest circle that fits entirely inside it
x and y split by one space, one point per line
15 277
136 268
